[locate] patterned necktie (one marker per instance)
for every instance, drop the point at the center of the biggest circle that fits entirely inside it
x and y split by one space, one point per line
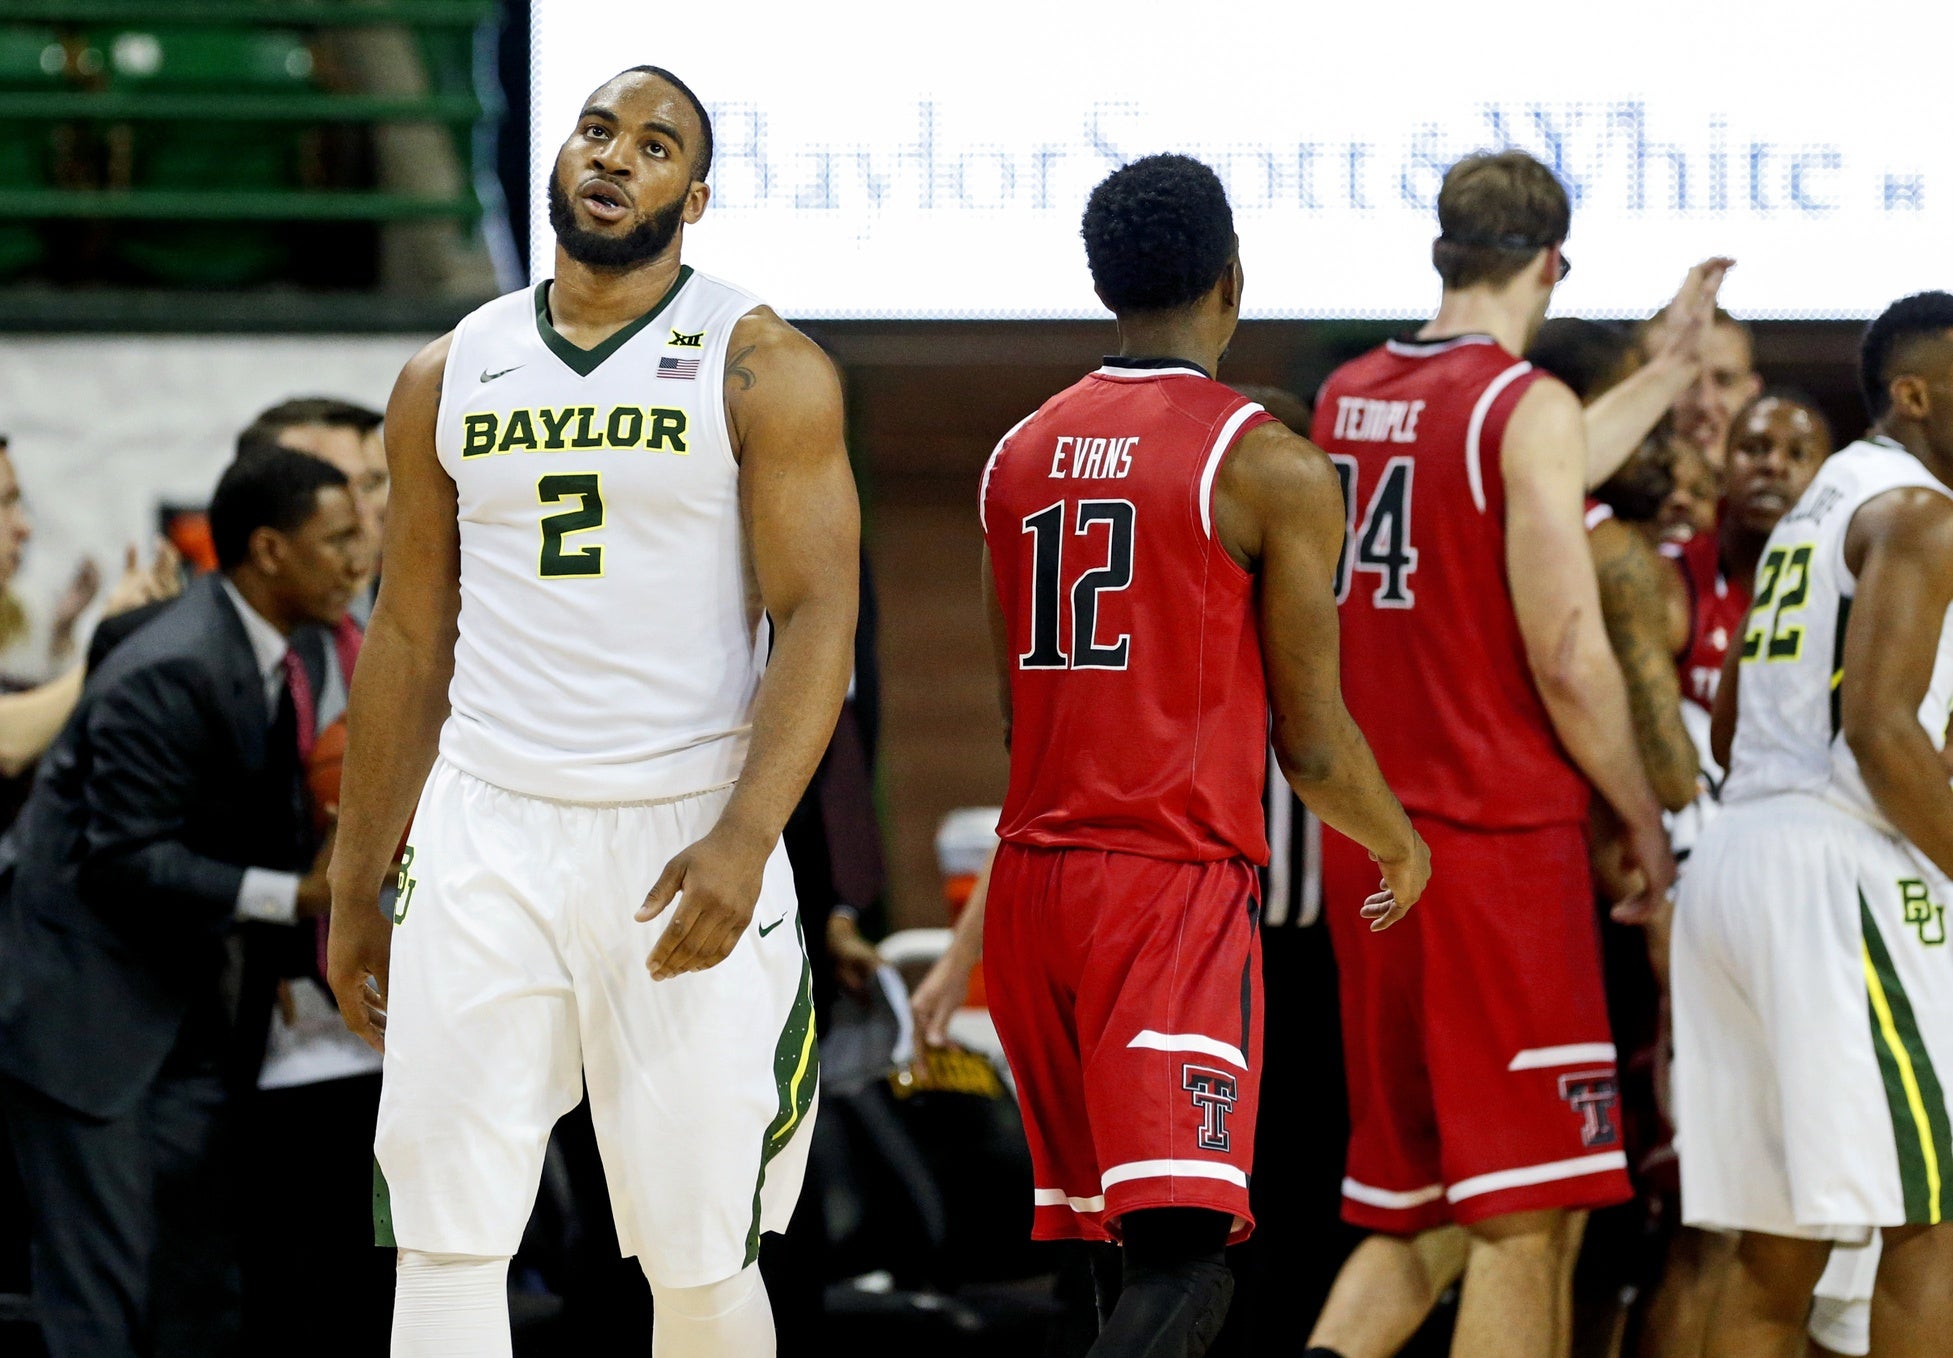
304 708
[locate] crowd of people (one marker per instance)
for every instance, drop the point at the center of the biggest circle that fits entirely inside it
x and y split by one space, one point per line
1562 1114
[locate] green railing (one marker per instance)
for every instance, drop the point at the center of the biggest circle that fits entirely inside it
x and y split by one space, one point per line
320 14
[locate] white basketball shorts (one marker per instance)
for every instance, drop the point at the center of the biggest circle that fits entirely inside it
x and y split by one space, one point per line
518 975
1813 1003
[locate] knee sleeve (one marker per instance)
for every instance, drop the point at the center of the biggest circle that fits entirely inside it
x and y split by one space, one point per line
727 1319
450 1306
1176 1286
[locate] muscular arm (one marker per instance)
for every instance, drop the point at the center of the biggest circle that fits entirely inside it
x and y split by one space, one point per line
1634 604
1904 540
1278 509
1623 415
1557 601
803 532
399 693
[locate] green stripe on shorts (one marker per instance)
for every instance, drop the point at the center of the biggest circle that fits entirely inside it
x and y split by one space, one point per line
382 1208
1912 1089
796 1074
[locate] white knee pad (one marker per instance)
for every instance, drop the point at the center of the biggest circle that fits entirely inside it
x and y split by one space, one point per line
451 1306
727 1319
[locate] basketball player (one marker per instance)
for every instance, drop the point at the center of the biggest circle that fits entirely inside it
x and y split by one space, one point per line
1160 556
1727 380
1483 1083
1813 998
1777 444
616 625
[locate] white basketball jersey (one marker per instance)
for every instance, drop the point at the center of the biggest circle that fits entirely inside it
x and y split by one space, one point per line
611 640
1789 695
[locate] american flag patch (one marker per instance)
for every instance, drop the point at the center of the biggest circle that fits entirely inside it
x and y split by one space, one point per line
684 369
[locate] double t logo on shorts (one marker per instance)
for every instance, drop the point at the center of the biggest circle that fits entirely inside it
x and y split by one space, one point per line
1213 1095
1596 1096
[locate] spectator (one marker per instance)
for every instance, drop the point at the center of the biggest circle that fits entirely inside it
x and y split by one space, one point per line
31 716
163 847
1777 444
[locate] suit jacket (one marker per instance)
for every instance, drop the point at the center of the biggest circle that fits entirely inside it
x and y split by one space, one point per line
126 863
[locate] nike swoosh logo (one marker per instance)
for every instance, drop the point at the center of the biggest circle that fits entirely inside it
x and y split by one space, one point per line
487 376
766 929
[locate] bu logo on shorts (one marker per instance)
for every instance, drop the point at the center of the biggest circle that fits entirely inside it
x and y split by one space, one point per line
1213 1095
1922 912
1596 1096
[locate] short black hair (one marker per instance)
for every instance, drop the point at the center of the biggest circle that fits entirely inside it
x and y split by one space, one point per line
301 412
1586 355
1905 321
275 488
702 160
1158 234
1788 394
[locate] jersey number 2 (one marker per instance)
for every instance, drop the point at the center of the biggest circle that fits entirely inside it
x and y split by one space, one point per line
1047 530
587 489
1383 541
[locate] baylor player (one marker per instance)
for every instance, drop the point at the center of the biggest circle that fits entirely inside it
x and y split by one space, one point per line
614 635
1812 977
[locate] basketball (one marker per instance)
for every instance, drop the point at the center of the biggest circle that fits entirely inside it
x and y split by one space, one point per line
322 770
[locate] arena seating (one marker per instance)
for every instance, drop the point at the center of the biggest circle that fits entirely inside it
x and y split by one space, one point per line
173 143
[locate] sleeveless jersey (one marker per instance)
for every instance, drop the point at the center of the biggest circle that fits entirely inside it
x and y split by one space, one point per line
1139 706
1789 703
1717 607
1434 669
610 640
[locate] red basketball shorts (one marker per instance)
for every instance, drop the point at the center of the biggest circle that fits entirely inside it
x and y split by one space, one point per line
1481 1070
1127 994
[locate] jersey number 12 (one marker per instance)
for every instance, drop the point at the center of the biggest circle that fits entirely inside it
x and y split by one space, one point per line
1047 532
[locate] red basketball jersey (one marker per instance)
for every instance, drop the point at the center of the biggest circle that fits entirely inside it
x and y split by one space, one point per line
1717 610
1140 712
1434 669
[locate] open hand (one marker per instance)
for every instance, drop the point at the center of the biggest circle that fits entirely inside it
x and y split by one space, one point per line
716 883
939 995
161 579
1403 882
359 947
1678 331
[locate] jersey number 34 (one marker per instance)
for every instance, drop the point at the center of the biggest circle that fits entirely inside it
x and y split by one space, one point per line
1383 540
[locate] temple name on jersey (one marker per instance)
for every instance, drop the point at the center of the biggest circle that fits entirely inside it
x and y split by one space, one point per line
1362 420
1092 457
555 429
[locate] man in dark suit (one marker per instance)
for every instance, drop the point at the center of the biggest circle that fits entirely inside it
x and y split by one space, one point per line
158 869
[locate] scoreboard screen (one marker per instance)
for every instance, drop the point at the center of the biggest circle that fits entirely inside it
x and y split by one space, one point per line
889 160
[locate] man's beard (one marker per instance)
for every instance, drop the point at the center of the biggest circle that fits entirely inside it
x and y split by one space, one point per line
644 241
